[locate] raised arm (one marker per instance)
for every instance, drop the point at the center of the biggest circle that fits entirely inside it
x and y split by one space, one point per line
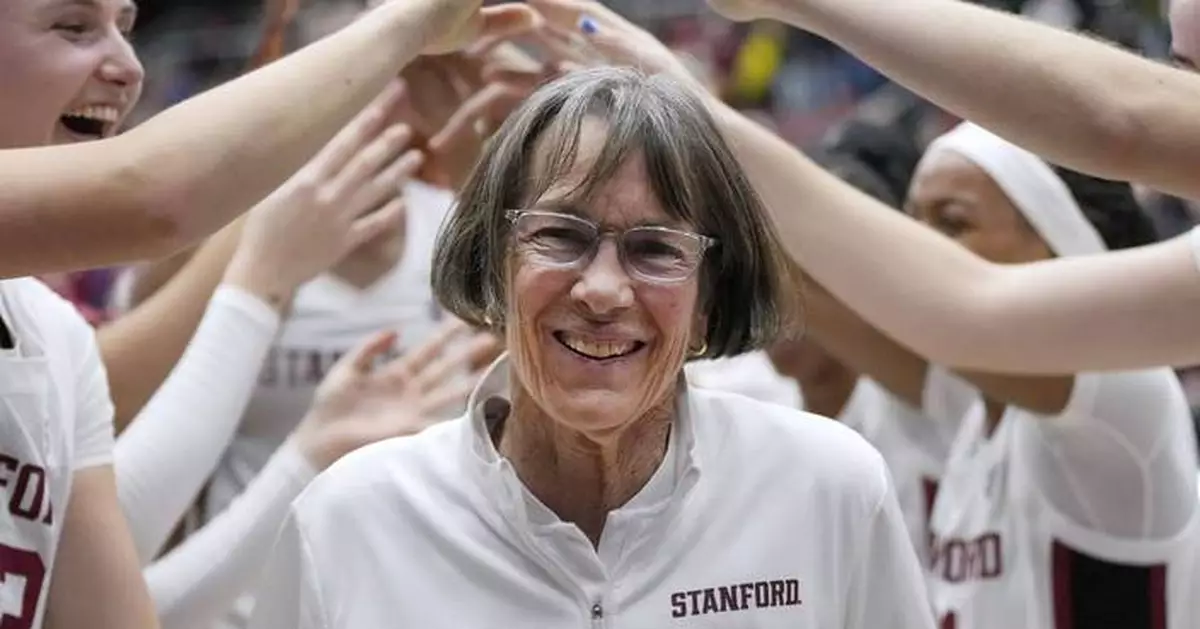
1122 310
924 290
187 172
141 346
347 195
1094 108
198 582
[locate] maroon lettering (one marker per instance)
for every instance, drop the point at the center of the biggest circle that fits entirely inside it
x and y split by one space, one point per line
679 605
958 560
728 597
293 363
762 594
25 490
791 592
20 569
747 592
269 376
736 597
316 369
27 496
303 368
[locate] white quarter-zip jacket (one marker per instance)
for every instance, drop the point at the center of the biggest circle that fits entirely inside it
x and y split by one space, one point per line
759 516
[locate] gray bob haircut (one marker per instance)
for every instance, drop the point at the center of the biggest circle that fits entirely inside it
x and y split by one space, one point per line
747 288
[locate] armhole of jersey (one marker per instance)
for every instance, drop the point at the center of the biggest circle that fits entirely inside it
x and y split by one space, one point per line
1081 402
8 341
6 337
1093 592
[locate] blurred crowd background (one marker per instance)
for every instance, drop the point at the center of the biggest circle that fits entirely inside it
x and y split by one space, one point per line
799 85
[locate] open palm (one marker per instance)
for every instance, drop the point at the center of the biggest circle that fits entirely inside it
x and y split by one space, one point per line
362 401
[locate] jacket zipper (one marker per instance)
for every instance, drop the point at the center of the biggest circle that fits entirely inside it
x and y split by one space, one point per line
597 614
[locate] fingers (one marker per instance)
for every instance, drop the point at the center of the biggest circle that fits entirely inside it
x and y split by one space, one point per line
560 13
404 368
567 14
465 72
364 128
507 20
386 185
362 358
366 228
458 362
433 92
367 162
434 404
491 104
564 46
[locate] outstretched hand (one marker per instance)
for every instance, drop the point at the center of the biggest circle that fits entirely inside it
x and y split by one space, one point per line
583 30
361 402
455 24
456 100
349 193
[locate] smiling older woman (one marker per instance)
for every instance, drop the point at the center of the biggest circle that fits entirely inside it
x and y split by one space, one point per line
609 233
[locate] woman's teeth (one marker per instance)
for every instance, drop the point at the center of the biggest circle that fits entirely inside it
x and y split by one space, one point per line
95 112
598 349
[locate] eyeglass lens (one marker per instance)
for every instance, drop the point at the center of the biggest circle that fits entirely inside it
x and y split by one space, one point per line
651 252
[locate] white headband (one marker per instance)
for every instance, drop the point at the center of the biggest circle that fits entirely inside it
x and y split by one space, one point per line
1032 186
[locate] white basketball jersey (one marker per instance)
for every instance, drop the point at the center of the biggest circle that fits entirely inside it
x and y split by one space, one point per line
329 317
55 418
914 446
1005 557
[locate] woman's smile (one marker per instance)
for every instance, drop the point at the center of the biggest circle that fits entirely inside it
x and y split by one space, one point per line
596 348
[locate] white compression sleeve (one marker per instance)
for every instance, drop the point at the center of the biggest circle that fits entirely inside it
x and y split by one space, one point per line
167 454
199 581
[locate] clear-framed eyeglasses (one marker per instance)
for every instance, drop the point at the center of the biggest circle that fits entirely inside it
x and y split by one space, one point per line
657 255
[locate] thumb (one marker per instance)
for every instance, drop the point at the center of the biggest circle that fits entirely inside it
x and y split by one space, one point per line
507 20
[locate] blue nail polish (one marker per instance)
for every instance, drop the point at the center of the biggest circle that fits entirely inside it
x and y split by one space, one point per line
588 25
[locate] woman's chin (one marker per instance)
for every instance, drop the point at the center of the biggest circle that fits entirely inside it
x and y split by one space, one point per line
592 410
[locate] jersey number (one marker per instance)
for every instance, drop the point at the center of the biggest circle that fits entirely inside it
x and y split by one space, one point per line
22 575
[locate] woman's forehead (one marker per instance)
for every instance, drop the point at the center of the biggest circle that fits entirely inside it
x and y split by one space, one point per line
947 172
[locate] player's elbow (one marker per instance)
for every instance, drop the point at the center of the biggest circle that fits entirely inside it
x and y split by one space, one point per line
157 210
